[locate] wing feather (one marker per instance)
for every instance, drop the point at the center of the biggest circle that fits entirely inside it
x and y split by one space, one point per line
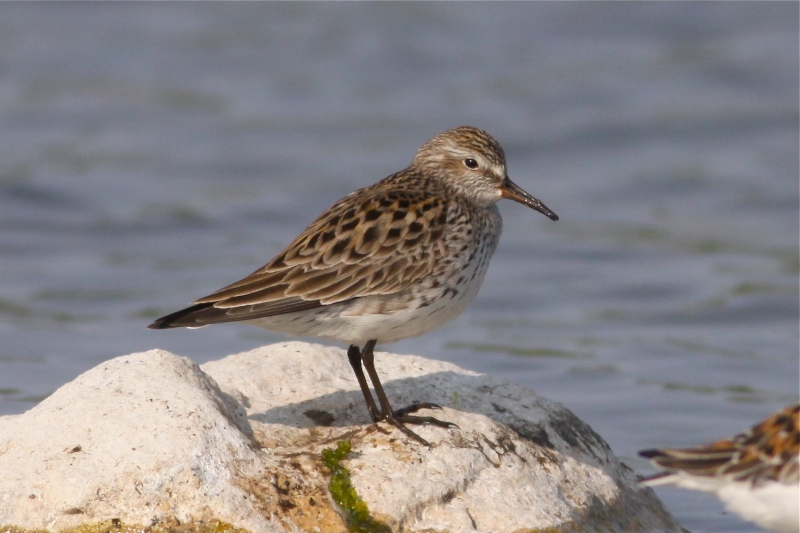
382 242
767 451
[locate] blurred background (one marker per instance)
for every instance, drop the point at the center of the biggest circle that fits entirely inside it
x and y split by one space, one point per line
152 153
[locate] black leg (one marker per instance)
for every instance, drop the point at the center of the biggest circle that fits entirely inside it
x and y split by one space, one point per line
397 418
354 356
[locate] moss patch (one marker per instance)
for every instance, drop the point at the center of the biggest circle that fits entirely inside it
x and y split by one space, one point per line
356 512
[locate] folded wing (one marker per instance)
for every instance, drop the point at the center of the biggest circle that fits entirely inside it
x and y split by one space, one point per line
384 243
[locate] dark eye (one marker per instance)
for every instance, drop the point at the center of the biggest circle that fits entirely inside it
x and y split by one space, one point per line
471 163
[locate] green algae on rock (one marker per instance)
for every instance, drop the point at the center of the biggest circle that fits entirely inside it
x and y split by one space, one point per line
344 494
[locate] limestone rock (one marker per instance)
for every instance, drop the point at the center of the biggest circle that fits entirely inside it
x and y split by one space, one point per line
153 438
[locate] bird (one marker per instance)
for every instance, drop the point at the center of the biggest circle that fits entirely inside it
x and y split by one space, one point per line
754 473
392 260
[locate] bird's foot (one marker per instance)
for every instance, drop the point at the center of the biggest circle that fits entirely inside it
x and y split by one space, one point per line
403 416
414 407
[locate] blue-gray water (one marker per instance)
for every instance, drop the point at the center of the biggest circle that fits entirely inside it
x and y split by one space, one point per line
152 153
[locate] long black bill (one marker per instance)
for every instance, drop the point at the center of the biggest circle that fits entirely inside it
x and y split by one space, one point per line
512 191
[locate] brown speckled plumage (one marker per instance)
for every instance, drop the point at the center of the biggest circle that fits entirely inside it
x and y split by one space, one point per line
766 452
389 261
756 473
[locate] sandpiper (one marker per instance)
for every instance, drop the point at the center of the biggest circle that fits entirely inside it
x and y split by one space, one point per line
393 260
754 473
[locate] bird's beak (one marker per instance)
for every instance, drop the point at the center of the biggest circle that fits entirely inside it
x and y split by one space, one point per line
512 191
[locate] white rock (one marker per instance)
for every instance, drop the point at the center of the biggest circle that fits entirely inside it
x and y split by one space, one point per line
153 438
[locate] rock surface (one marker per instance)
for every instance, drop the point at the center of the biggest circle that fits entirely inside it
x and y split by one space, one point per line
153 438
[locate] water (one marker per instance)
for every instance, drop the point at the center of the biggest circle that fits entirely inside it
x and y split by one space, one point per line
152 153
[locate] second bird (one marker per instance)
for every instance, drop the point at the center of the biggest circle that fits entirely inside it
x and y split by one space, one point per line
390 261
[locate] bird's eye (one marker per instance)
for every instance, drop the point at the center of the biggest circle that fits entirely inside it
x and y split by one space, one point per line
471 163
